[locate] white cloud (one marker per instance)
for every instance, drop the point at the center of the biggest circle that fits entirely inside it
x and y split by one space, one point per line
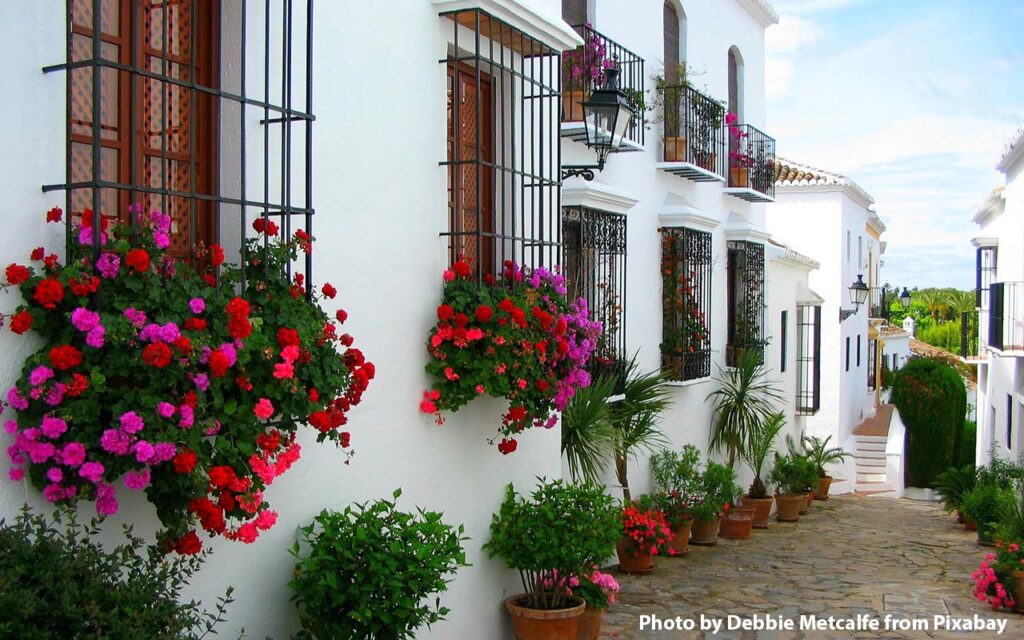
783 43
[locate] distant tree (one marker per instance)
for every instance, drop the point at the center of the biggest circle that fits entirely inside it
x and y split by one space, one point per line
935 302
959 302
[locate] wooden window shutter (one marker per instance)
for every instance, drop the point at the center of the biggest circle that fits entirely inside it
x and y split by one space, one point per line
671 28
574 12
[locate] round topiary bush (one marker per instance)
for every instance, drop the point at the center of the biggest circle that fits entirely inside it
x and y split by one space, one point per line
932 402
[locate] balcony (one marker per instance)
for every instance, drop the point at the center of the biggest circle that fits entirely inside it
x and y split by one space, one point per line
751 164
1006 318
582 68
694 141
878 307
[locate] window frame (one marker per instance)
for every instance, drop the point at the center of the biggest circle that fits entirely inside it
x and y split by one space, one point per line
687 263
746 300
808 361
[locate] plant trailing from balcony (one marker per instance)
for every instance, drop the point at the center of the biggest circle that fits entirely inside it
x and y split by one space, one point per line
669 98
584 66
188 388
520 339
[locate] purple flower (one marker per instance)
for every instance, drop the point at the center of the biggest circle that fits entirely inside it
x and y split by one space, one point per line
169 332
85 237
202 381
165 409
143 451
162 452
197 305
215 429
92 471
53 427
150 332
16 400
73 454
161 240
136 317
161 221
131 422
136 480
96 337
188 419
56 394
84 320
114 441
108 265
39 375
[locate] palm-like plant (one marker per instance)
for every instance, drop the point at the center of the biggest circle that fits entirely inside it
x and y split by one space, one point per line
1011 517
818 452
953 483
958 302
634 419
744 400
935 302
587 436
762 441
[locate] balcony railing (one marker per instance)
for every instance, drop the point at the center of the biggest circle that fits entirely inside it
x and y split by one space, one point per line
878 306
751 163
1006 317
693 133
582 71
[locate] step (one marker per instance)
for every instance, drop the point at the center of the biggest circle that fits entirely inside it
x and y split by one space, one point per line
874 455
870 477
871 446
870 462
883 493
872 439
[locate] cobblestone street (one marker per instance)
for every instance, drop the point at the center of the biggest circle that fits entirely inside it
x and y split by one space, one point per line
849 556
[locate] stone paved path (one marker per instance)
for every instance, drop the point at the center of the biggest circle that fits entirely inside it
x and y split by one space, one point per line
849 556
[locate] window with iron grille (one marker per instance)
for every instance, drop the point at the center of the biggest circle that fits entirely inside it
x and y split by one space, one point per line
985 275
686 263
872 363
808 360
782 342
594 264
847 353
504 153
184 107
746 302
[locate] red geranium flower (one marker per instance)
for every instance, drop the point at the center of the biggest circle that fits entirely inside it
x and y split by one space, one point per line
461 269
239 328
79 384
287 337
484 313
188 544
320 420
64 357
157 355
238 308
216 255
137 259
221 476
195 324
84 288
445 312
38 253
48 293
21 322
16 274
507 445
263 225
219 364
329 290
54 214
184 461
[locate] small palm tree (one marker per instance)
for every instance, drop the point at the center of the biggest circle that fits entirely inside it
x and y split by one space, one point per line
744 400
935 302
635 418
587 436
818 452
762 442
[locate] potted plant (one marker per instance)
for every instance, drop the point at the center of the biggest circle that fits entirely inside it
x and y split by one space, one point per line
561 531
737 521
818 452
588 442
717 488
952 484
796 450
670 95
706 131
1010 548
644 534
367 571
791 474
999 581
744 400
740 158
677 476
598 590
635 418
983 505
582 68
762 441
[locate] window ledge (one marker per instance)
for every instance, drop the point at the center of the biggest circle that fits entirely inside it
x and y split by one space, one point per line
687 383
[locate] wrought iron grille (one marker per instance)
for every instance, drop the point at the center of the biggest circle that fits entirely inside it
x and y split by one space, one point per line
594 264
198 109
751 159
582 73
746 302
985 274
1006 316
878 303
969 333
693 128
504 153
872 363
808 360
686 263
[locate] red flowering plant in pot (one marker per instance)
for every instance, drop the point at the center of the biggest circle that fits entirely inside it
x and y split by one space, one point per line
645 533
182 385
520 339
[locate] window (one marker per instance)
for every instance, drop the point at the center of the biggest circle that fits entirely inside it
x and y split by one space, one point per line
860 252
686 263
847 353
503 151
736 83
895 362
985 275
872 363
158 111
858 352
594 242
782 342
1009 420
746 301
674 44
808 360
848 244
574 12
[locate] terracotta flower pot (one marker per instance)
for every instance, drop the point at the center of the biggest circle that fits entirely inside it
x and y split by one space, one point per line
629 561
572 106
739 177
590 623
960 517
762 509
788 506
675 149
808 501
544 624
705 533
986 534
823 484
737 523
706 160
681 542
970 525
1018 590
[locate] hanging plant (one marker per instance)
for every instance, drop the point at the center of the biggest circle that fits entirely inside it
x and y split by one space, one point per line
188 388
520 339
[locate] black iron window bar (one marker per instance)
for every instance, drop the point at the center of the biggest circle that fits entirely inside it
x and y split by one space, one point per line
686 266
581 74
808 360
594 243
969 322
751 159
693 132
746 302
985 274
872 362
1006 316
878 302
136 69
504 153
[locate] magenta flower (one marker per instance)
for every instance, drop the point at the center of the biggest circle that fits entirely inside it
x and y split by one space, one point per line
73 454
263 409
165 409
197 305
131 422
53 427
92 471
106 503
39 375
162 452
96 337
84 320
16 400
136 480
143 451
136 317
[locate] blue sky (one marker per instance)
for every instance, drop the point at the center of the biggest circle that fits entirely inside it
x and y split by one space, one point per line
913 99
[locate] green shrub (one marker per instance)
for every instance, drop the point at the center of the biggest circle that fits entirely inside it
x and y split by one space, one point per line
932 402
954 483
676 470
984 504
717 488
56 582
368 570
968 445
793 474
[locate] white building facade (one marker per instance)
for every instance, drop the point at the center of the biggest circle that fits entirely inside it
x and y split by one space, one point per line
398 194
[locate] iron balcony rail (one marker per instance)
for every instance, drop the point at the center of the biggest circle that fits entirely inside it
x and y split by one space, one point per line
1006 317
693 128
751 159
878 303
582 72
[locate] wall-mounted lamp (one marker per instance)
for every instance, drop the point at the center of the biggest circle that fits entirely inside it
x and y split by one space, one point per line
858 296
606 115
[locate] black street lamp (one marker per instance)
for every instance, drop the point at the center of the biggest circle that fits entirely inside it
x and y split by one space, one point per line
905 298
606 117
858 295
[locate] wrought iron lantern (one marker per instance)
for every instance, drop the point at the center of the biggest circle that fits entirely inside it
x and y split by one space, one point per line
905 298
606 115
858 296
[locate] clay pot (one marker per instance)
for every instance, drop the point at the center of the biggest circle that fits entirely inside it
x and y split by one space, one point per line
762 509
970 525
681 542
629 561
572 106
959 516
823 484
739 177
705 533
788 506
590 623
675 149
1018 589
808 501
544 624
706 160
986 534
737 523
